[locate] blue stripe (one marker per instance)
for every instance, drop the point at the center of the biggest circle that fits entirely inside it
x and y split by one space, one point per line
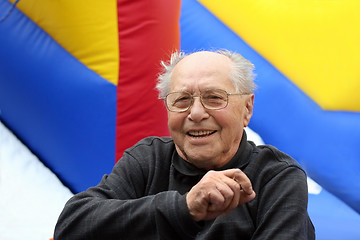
325 143
63 111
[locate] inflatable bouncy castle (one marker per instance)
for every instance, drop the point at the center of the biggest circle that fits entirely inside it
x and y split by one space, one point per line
77 85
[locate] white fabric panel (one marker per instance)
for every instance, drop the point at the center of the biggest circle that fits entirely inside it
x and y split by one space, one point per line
31 196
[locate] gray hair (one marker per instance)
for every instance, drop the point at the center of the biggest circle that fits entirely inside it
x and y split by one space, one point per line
242 74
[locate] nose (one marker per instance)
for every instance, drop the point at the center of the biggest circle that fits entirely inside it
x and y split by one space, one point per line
197 111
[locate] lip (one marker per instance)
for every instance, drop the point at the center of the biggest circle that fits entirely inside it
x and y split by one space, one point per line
200 135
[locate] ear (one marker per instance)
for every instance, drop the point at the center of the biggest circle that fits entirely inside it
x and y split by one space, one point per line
248 111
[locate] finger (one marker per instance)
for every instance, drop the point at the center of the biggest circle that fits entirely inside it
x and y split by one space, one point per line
247 192
220 197
244 197
216 200
232 193
244 182
236 197
241 178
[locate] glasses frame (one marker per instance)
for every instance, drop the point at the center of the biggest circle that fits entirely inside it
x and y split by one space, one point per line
201 99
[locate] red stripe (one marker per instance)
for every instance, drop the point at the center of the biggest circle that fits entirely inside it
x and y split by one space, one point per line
148 33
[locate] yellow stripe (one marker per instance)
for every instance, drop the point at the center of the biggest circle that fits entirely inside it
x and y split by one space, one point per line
315 43
85 28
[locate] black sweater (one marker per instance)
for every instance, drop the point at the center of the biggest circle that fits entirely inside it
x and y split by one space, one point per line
144 197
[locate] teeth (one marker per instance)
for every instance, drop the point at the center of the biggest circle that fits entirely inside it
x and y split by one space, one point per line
200 133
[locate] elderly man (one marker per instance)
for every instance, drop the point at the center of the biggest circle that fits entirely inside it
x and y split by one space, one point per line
206 181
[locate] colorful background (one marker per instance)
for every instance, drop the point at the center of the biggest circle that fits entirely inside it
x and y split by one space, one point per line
77 83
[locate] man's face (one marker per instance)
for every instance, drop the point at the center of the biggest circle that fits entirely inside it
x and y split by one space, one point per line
208 138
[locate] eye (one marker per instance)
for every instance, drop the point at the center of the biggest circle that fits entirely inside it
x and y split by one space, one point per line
214 95
181 100
214 99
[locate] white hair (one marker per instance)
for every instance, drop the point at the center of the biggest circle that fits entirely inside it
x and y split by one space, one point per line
242 74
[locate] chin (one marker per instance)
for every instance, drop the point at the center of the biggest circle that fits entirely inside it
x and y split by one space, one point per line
203 162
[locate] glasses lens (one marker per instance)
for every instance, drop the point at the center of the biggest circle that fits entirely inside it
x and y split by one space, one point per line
215 99
178 101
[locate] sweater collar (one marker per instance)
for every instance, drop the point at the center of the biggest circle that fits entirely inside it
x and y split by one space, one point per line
240 160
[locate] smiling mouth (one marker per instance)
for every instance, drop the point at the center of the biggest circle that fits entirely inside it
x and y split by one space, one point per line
200 134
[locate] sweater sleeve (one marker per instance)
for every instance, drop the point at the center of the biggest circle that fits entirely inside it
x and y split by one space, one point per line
124 206
282 207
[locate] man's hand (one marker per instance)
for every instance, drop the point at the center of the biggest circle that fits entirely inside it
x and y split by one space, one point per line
219 192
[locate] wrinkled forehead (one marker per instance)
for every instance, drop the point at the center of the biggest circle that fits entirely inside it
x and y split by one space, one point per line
202 68
203 60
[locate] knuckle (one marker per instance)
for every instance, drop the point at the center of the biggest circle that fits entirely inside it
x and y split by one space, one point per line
235 186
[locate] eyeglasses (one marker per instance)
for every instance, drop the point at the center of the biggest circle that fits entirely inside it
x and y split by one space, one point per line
211 99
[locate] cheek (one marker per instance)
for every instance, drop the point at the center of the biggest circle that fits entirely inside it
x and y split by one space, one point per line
175 122
231 123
